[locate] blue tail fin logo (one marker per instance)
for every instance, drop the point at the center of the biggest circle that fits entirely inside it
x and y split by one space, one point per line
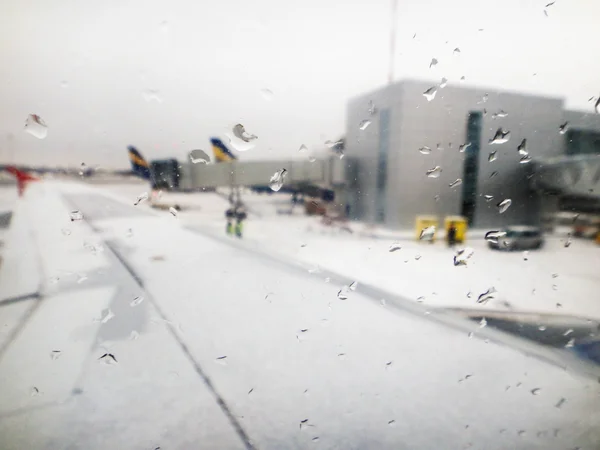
139 165
221 152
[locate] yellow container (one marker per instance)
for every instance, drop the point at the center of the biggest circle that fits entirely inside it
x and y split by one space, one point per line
423 222
461 225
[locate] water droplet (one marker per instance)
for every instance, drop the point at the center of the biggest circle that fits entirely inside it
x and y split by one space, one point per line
493 236
417 257
470 335
542 328
493 174
436 198
55 354
435 172
597 105
134 335
136 301
382 302
425 150
427 234
315 439
469 294
562 129
302 148
35 126
443 83
482 322
352 286
342 294
455 183
488 198
276 181
504 205
327 279
492 156
267 94
64 84
462 256
76 215
222 360
342 356
332 144
93 248
173 211
433 62
392 423
525 159
34 392
456 51
199 157
66 231
499 115
152 95
107 314
311 158
81 277
568 241
439 147
395 247
54 280
560 402
143 196
522 148
364 124
500 137
129 233
462 78
240 132
108 358
429 94
535 391
372 109
571 343
486 296
463 147
485 97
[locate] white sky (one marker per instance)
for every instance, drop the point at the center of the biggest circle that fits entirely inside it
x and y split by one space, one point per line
83 66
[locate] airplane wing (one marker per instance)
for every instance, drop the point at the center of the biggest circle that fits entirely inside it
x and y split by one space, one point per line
125 329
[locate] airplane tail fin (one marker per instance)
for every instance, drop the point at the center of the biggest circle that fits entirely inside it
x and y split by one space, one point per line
22 178
139 165
221 152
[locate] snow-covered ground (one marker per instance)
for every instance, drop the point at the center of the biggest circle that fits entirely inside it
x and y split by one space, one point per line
556 279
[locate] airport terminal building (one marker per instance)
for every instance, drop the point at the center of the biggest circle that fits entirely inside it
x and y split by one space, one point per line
409 135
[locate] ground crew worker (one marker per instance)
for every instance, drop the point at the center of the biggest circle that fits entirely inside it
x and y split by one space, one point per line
240 216
451 234
229 215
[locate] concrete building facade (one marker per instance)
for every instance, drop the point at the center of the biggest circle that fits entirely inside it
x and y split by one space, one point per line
387 172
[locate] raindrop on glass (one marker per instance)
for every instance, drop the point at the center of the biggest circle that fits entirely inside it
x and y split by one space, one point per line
486 296
504 205
136 301
34 392
597 106
429 94
108 358
542 328
435 172
562 129
482 322
443 83
488 198
276 181
364 124
493 174
173 211
560 402
522 148
500 137
372 109
427 233
267 94
151 95
568 241
492 156
107 314
439 147
485 97
493 236
352 286
302 148
455 183
462 256
76 215
199 157
535 391
525 159
462 78
571 343
392 423
425 150
143 196
35 126
342 356
55 354
240 132
433 62
64 84
463 147
499 115
66 231
134 335
456 51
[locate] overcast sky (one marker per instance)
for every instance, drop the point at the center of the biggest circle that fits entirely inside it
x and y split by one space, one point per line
167 75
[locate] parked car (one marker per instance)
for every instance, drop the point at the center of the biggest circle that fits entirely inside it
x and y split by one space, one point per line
516 238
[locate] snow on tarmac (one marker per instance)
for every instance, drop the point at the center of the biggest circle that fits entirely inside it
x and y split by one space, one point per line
556 279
